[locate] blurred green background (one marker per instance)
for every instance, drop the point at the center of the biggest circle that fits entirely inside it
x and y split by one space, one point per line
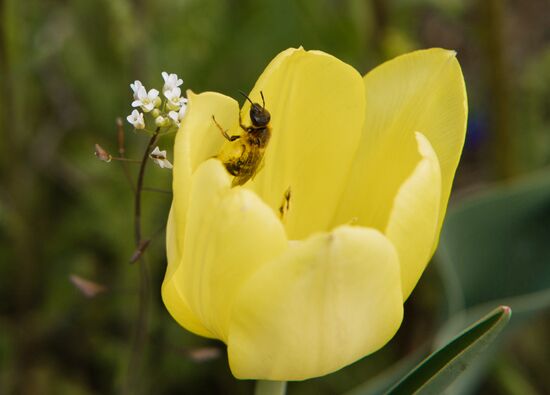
65 70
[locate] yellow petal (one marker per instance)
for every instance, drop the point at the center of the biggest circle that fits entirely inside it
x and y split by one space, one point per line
197 140
173 253
230 233
323 304
317 108
423 90
172 296
412 226
199 137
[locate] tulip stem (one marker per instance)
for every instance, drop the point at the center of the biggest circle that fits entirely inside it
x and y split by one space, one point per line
264 387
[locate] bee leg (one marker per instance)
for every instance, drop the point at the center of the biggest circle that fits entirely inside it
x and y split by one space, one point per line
224 132
243 126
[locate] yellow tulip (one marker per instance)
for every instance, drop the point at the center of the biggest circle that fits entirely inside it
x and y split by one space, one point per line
369 161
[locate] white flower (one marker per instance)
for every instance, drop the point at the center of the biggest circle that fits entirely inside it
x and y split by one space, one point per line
177 117
174 117
174 99
146 100
159 157
135 88
136 119
171 81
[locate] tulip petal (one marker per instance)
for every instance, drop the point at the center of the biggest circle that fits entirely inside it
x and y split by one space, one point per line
434 102
198 139
317 109
323 304
230 233
172 296
412 226
423 90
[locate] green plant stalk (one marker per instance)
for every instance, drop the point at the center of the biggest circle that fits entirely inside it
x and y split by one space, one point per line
140 334
499 82
139 187
265 387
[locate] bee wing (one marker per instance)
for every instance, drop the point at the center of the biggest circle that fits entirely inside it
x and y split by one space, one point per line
260 166
250 161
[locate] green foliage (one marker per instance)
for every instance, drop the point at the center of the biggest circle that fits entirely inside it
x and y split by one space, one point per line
439 370
494 250
494 247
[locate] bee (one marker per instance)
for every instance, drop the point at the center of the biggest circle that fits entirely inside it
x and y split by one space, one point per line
253 141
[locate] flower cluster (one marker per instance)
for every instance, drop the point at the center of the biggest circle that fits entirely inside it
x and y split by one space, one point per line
166 112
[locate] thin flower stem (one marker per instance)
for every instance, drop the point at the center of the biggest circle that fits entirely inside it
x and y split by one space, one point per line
139 187
140 334
122 159
264 387
141 329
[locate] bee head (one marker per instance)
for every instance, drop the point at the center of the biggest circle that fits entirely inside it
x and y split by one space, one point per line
258 113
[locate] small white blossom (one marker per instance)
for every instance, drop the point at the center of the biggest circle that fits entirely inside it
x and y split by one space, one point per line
135 88
161 121
175 101
177 117
171 81
146 100
174 117
136 119
159 157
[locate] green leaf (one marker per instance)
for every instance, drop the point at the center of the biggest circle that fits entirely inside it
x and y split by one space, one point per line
385 380
494 249
439 370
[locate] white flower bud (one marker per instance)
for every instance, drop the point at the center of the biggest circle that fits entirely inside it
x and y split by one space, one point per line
161 121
